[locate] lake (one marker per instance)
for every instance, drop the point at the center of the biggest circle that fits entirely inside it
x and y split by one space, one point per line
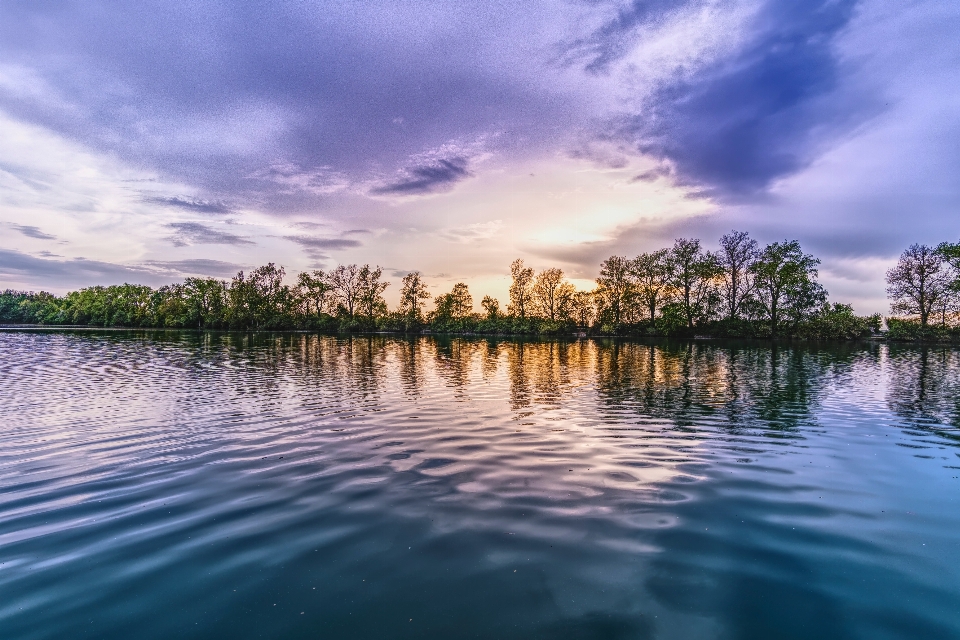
216 485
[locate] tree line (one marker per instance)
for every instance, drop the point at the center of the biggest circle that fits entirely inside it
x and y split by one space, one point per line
924 292
740 290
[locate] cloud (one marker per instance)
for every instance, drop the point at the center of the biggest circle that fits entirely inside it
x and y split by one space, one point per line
188 233
309 242
32 232
618 35
292 178
316 248
474 232
196 267
350 115
742 92
652 175
439 175
65 273
349 92
190 204
763 112
60 274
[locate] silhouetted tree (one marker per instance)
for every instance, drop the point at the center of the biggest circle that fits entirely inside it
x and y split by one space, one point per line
491 307
583 308
315 289
693 275
919 282
521 289
737 253
370 292
652 272
413 293
616 289
345 285
552 295
456 305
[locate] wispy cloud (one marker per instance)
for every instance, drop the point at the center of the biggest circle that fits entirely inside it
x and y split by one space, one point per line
188 233
190 204
70 272
195 267
65 273
317 247
309 242
435 176
474 232
292 178
32 232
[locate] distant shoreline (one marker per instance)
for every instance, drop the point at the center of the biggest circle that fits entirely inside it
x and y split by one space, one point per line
879 338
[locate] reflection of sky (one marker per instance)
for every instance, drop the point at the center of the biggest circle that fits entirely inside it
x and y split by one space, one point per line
151 141
745 488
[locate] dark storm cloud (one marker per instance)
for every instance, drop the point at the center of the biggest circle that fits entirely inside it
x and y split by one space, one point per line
436 176
190 204
188 233
32 232
759 113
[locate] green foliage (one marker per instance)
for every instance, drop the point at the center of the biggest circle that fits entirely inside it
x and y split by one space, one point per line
23 307
837 322
786 285
911 330
741 291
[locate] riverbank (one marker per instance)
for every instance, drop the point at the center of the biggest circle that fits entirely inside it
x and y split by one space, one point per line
881 337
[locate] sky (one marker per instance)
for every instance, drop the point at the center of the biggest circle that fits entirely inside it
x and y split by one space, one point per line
146 141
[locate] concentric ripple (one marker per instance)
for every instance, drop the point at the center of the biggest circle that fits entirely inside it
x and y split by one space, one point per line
175 484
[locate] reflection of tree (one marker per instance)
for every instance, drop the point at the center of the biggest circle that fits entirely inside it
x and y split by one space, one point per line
924 388
411 359
548 361
545 372
519 378
350 368
453 357
769 388
489 358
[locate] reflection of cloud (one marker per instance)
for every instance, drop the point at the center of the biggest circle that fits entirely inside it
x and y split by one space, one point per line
187 233
473 232
32 232
190 204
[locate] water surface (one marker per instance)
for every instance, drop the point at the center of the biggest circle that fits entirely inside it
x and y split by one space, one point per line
164 484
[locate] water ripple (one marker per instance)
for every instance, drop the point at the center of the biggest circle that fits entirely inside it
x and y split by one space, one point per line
159 484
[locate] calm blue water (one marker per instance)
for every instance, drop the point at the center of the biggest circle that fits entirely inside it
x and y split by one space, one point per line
160 485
